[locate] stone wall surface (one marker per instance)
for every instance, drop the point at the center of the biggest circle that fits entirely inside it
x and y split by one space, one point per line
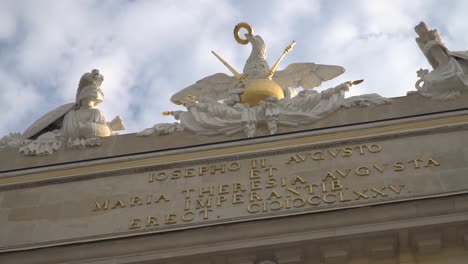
384 184
287 181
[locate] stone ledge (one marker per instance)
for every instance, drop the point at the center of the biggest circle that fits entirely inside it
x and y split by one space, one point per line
129 144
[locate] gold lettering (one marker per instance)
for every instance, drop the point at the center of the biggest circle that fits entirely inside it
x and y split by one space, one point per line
235 166
361 149
254 196
135 223
290 190
318 156
270 171
136 201
162 197
342 199
336 185
381 169
151 221
298 179
149 197
188 216
347 152
206 213
302 158
202 191
343 174
329 175
362 171
310 200
274 194
360 195
103 206
325 198
221 169
176 174
119 203
203 204
237 198
283 181
301 200
239 187
333 153
202 170
255 185
271 183
379 192
324 187
397 191
222 189
375 148
398 166
187 205
150 177
293 159
279 203
189 172
415 162
251 209
432 162
262 163
187 193
220 200
311 188
161 176
171 219
254 174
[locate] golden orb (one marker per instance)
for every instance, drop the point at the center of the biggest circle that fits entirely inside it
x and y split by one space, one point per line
256 91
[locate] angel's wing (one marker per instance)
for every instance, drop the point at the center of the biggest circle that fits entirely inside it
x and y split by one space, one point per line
213 87
306 75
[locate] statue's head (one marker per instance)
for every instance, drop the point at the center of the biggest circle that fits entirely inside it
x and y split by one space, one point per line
421 28
258 45
89 88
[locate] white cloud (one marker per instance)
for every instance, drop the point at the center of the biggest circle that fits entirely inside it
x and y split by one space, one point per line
148 50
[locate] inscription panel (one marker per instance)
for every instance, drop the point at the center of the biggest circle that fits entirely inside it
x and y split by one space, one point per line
236 189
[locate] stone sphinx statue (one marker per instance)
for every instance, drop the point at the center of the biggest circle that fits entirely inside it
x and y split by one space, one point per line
80 124
449 77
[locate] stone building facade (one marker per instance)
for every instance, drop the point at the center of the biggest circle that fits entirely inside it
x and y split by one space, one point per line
380 184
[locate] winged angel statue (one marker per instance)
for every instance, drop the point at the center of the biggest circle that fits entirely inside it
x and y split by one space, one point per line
224 104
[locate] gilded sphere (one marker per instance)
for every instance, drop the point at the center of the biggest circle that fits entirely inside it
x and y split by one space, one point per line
256 91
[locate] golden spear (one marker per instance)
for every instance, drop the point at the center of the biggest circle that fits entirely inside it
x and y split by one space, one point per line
286 51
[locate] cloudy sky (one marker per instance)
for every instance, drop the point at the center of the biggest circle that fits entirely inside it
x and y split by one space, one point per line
148 50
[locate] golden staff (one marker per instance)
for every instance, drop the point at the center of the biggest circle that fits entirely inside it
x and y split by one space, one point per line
234 72
167 113
286 51
351 83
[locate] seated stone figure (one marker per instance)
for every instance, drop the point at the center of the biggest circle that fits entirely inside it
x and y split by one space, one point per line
86 121
80 123
449 77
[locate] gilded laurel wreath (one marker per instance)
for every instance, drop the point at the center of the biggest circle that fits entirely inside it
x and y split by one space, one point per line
237 28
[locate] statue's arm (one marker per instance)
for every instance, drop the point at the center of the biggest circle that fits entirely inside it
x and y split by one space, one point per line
96 127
